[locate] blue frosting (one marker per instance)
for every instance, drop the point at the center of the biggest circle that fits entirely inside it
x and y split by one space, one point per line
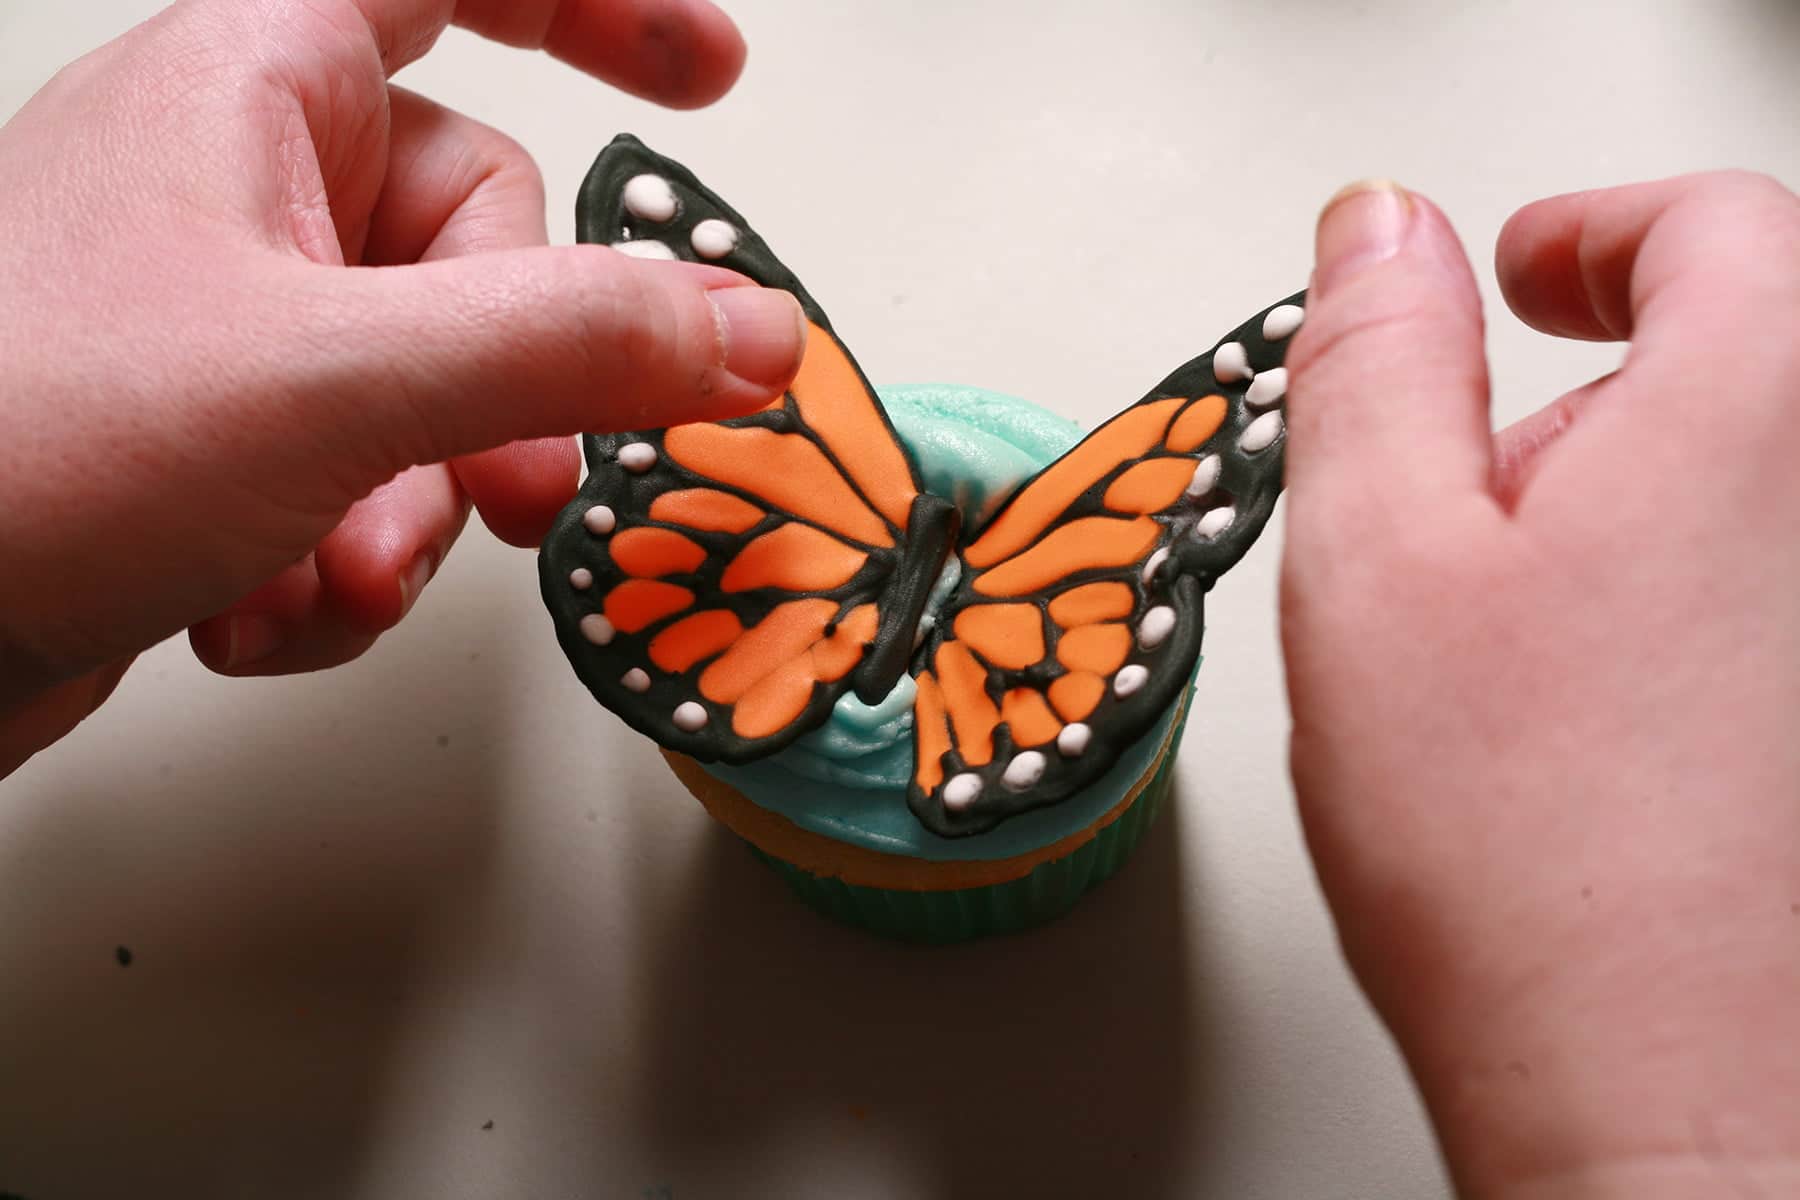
877 817
847 779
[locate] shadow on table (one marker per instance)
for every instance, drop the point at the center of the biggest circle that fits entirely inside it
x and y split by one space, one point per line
269 890
1051 1062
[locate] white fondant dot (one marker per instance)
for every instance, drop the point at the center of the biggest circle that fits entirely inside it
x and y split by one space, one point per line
962 791
1215 521
689 717
599 520
1024 770
1156 627
596 629
637 457
645 248
636 680
1231 363
1281 322
1130 679
581 579
713 238
1074 739
650 198
1262 431
1206 476
1155 560
1267 388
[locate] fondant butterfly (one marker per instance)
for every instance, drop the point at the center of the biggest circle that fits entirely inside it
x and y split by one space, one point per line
721 585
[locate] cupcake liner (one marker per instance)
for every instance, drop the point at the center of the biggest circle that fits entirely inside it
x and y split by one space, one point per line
959 915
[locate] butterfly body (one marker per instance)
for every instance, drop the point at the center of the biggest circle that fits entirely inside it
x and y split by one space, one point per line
930 539
721 586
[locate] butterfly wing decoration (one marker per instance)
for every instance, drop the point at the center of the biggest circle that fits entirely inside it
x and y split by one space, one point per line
721 585
1077 617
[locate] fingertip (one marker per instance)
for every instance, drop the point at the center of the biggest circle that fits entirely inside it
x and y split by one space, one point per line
682 54
1513 251
369 590
367 584
1544 273
519 488
233 643
1361 226
374 565
259 629
693 346
210 640
289 625
244 645
762 332
712 64
1373 222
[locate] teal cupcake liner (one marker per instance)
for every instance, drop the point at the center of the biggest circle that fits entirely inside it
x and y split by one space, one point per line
1049 890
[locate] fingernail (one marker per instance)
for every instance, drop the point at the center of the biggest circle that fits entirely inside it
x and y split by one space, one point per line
253 637
1362 225
762 332
413 580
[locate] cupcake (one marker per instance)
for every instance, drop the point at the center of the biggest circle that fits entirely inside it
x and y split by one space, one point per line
929 652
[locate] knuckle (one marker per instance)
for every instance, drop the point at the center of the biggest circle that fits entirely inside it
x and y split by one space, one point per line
1761 219
90 71
1741 183
501 162
625 330
652 349
577 303
1759 203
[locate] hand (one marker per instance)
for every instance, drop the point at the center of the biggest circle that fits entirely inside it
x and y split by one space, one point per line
213 421
1546 686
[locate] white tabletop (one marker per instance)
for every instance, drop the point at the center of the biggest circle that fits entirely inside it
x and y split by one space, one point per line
373 911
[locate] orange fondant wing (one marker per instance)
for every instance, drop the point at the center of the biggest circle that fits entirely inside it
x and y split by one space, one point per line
1076 621
719 585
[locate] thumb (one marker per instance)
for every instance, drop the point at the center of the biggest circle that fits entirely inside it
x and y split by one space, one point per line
1388 404
401 366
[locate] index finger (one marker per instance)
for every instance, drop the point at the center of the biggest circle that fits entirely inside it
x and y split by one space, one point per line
1681 254
680 53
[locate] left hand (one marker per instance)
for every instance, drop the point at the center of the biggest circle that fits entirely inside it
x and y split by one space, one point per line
229 402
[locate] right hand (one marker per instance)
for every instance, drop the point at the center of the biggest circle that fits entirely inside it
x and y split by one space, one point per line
1546 685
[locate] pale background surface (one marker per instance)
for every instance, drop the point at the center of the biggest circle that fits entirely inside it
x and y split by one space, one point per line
373 910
